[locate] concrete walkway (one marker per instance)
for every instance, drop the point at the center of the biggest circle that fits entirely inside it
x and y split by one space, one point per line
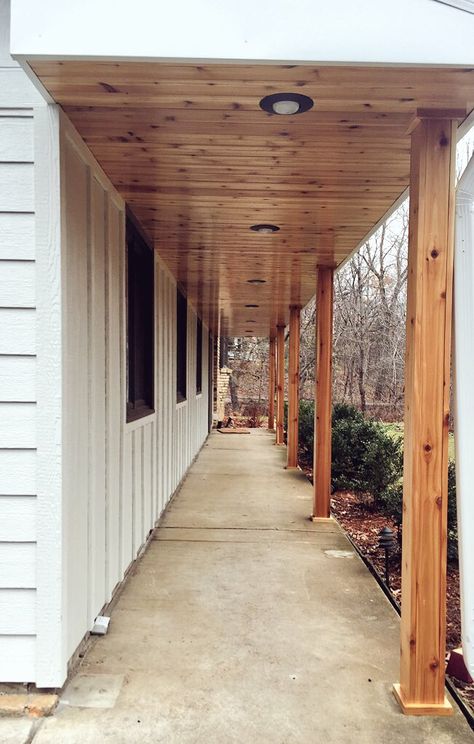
244 622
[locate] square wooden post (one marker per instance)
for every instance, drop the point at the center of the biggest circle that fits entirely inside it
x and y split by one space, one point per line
271 384
280 385
427 386
293 388
323 394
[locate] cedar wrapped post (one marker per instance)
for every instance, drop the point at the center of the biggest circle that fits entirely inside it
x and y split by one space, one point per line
271 384
280 389
293 388
427 385
323 394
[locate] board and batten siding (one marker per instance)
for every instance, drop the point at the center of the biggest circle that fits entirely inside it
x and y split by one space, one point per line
117 477
18 488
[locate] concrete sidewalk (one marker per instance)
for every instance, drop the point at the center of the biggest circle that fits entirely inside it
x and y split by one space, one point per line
244 622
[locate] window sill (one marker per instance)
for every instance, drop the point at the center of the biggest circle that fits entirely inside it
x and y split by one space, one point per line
139 418
182 403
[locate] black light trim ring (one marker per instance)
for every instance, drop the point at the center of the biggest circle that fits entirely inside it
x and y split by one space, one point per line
305 103
265 228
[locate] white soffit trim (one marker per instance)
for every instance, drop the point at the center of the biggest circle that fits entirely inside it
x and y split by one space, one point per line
464 401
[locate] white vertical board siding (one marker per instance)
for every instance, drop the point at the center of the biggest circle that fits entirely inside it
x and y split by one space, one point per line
92 247
117 476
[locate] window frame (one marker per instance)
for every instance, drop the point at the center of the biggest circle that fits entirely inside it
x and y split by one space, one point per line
181 346
199 356
140 337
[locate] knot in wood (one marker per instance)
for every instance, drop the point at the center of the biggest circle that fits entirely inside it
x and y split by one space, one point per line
434 253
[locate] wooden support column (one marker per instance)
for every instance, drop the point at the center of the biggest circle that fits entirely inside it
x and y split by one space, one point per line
271 384
293 388
323 394
280 382
427 382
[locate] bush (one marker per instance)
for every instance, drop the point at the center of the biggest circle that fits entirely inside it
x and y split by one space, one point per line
365 459
391 503
368 461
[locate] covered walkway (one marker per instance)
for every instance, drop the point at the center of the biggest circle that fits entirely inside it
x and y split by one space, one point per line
245 622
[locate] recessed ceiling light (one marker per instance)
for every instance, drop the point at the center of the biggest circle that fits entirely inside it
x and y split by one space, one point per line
265 228
252 305
256 281
250 321
286 104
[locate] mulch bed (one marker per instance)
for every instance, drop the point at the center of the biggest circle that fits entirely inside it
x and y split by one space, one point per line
363 524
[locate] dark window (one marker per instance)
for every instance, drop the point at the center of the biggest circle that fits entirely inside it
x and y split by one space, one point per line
198 356
181 346
140 325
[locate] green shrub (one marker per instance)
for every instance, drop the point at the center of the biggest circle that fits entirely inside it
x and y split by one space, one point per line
365 459
391 502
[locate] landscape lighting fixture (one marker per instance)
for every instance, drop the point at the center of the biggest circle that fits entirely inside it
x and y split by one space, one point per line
286 104
265 228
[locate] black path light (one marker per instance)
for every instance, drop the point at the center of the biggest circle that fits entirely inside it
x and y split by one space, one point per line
387 543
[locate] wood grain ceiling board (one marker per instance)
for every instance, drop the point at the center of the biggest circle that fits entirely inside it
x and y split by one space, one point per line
199 162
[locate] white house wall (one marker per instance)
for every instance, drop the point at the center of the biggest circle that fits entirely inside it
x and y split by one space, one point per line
117 477
18 347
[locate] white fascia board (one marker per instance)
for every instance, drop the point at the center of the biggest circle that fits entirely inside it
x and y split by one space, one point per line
304 31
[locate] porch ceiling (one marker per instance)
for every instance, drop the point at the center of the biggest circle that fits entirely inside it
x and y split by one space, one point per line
199 162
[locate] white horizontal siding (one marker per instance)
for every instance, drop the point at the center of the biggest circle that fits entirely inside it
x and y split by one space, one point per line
16 187
17 236
17 519
17 283
17 565
17 331
18 503
18 378
17 425
17 472
16 138
16 91
17 611
17 658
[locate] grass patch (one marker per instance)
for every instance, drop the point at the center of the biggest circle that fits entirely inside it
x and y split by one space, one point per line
395 430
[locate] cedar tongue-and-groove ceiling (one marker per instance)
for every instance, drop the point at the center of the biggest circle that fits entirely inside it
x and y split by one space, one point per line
199 162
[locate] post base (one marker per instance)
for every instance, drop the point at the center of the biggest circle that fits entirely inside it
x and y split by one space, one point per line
321 519
422 709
